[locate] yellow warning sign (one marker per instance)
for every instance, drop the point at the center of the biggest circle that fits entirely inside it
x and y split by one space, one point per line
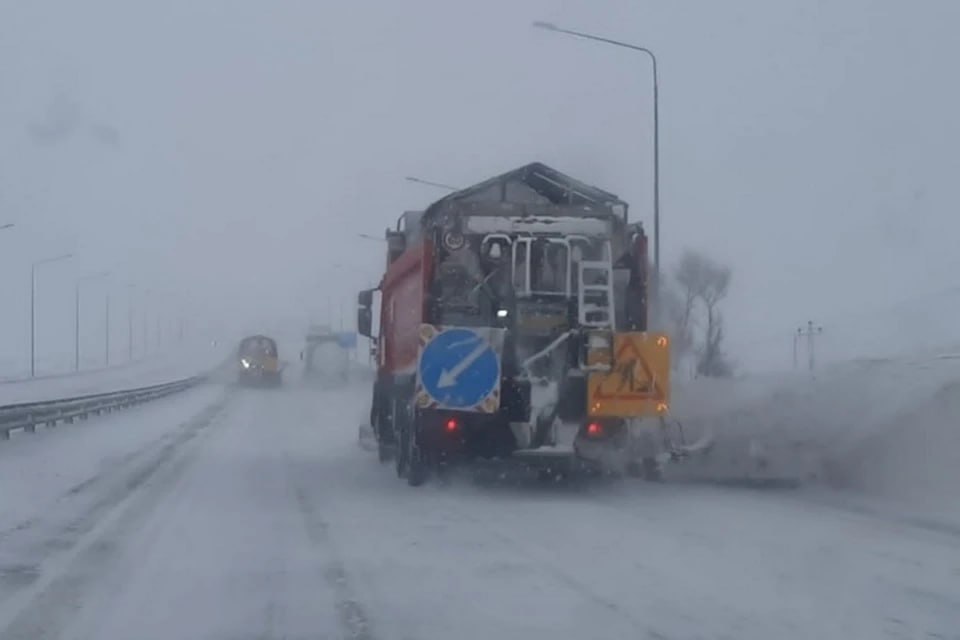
638 385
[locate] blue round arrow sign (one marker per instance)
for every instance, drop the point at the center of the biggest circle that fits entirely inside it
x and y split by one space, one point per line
459 368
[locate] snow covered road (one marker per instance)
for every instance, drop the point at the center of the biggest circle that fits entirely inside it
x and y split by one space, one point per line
258 516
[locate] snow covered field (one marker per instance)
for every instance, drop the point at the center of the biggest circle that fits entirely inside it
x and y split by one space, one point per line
234 513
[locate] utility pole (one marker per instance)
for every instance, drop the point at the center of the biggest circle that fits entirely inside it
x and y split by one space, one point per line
76 329
145 329
106 331
655 77
130 289
810 332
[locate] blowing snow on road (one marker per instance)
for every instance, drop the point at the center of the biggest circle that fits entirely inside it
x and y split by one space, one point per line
248 513
500 320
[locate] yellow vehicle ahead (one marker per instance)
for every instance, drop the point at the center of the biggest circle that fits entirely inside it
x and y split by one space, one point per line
258 362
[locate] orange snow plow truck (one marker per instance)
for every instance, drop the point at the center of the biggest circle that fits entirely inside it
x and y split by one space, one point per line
513 326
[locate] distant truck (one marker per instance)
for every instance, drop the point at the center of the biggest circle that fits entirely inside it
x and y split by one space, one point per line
513 324
324 357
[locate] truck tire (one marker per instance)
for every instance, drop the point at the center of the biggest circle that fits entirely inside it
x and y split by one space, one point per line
411 462
385 452
382 430
400 435
417 468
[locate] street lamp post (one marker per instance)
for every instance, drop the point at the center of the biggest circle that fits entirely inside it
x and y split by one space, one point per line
76 317
106 331
130 290
33 307
146 321
656 140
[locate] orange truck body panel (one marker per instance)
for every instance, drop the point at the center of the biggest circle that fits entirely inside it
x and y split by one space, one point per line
403 308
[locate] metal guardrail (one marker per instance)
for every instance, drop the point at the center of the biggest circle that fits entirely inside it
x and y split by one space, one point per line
29 415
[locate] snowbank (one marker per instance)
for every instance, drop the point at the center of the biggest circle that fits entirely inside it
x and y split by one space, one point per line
914 457
884 427
38 470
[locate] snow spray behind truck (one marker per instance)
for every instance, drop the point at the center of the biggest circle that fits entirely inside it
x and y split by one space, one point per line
513 324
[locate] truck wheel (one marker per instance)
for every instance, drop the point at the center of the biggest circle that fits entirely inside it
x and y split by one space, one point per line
400 431
385 439
416 461
400 460
385 452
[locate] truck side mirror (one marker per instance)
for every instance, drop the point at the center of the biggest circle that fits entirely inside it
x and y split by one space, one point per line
365 313
364 322
396 244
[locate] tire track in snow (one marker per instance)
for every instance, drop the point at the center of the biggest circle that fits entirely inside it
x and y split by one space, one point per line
560 575
352 615
83 551
63 536
118 466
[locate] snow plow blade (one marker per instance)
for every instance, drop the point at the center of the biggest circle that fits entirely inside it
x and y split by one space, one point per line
678 452
548 464
737 463
561 460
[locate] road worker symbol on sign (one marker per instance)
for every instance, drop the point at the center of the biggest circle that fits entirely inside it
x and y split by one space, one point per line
638 384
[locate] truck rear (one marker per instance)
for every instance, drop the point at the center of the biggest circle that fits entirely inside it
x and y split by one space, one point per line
513 324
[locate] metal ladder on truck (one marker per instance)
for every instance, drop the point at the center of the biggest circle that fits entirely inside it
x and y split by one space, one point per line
595 294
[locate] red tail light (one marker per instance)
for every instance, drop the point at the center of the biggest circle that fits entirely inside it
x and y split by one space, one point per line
452 425
595 429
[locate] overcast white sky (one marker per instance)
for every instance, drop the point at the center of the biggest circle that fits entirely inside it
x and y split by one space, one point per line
223 151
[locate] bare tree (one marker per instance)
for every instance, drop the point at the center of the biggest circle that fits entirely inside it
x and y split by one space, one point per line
703 284
680 299
713 362
691 278
678 312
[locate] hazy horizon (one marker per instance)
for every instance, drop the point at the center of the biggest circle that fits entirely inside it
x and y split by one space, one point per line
227 154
